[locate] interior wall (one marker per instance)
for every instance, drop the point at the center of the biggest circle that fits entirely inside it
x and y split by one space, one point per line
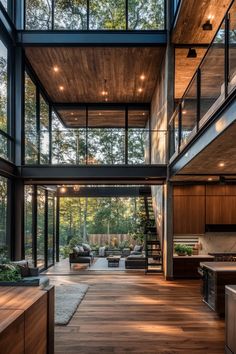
217 242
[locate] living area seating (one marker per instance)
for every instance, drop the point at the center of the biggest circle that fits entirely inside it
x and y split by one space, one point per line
81 254
135 262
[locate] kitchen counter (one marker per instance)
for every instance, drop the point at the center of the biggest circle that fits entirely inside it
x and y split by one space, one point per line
185 267
219 266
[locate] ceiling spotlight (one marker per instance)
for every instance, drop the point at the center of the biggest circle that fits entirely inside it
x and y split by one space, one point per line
76 188
142 77
72 113
106 99
61 88
63 189
56 69
192 53
209 179
184 112
143 114
76 118
99 113
207 26
221 164
140 89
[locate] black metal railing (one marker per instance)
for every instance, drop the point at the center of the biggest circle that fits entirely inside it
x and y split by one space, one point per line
95 15
213 81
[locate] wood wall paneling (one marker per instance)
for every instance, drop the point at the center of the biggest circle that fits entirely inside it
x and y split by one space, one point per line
12 332
189 214
194 190
221 209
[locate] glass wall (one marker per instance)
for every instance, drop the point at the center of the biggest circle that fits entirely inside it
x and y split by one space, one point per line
95 15
29 224
40 227
31 129
50 220
189 110
44 131
4 3
4 241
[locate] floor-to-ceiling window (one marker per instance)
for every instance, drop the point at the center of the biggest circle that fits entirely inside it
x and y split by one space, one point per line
40 227
28 244
4 240
50 228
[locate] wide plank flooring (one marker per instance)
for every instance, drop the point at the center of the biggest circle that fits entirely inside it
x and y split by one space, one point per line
142 314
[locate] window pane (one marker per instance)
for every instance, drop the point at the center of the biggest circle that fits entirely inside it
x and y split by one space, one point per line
106 146
38 14
146 14
50 229
3 213
44 132
70 15
4 147
68 146
232 48
31 138
3 87
212 76
40 228
28 224
107 14
138 146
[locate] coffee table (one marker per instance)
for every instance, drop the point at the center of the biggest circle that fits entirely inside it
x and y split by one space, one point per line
113 261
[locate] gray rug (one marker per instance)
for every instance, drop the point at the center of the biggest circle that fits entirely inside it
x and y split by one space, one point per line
102 264
67 299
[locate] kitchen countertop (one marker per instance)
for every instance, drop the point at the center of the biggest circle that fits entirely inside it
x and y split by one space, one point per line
219 266
195 256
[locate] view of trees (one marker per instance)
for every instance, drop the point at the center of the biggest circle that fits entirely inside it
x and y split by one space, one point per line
3 212
103 14
3 99
81 217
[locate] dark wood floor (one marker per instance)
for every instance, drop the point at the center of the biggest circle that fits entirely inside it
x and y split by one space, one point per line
140 314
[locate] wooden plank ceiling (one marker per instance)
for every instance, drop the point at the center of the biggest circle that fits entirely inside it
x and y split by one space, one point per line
103 118
81 73
193 14
221 150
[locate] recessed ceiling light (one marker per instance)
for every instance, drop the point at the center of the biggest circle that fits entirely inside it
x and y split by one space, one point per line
143 114
100 114
61 88
56 69
142 77
140 89
76 118
221 164
72 113
184 112
106 99
63 189
209 179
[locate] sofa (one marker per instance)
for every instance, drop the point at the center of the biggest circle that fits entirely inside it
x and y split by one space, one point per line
134 261
81 254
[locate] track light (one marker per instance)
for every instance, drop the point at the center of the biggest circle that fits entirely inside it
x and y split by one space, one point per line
192 53
207 26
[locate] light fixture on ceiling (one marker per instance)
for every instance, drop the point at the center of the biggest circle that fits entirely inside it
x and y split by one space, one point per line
76 118
72 113
63 189
210 179
55 69
143 114
192 53
142 77
106 99
76 188
207 26
61 88
221 164
99 113
184 112
105 91
140 89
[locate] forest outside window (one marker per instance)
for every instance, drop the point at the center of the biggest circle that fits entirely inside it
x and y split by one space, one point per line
95 15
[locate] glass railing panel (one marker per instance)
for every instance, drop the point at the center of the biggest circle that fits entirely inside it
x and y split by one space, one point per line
232 47
189 110
69 146
212 76
70 15
174 133
138 146
38 15
146 15
158 146
106 146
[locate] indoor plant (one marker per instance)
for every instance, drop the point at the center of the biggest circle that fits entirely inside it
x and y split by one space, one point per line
181 249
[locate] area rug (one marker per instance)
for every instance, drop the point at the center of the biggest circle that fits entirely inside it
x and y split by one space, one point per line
67 299
102 264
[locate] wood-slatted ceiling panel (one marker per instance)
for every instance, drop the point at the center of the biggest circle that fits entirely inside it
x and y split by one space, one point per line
193 14
223 149
100 118
82 71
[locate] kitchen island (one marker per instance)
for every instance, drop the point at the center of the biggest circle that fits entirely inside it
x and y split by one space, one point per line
215 276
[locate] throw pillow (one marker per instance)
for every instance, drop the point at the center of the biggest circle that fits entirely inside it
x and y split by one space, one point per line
86 247
138 248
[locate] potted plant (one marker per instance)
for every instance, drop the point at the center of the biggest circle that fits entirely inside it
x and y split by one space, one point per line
189 250
181 249
9 273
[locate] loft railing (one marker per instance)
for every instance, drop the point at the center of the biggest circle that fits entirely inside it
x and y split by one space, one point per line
95 15
212 83
96 146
